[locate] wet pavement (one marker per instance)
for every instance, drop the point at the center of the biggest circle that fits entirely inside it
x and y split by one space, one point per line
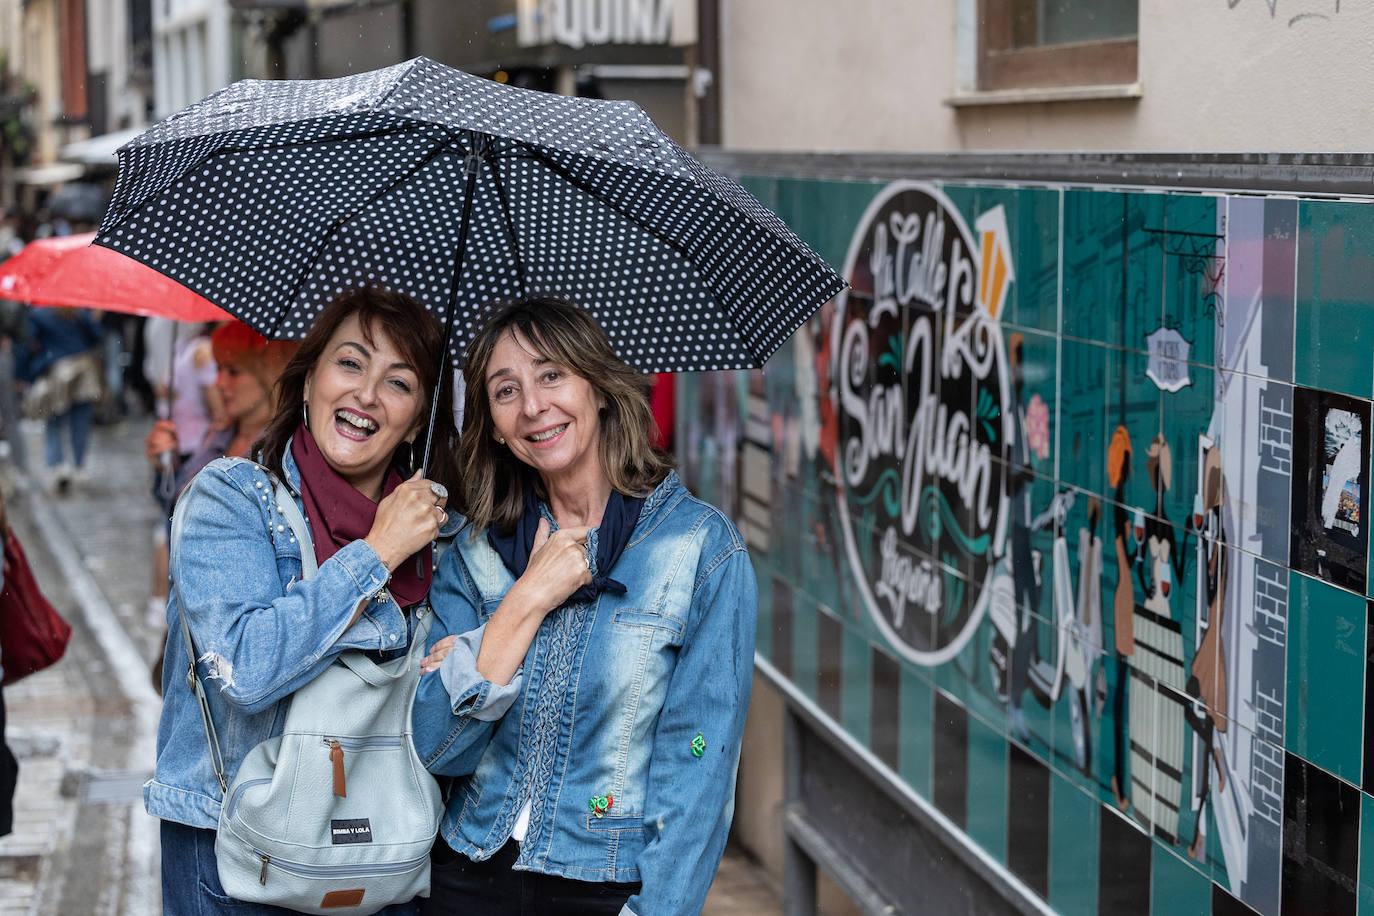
84 729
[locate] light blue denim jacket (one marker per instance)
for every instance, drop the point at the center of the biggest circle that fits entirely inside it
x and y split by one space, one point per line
260 632
607 703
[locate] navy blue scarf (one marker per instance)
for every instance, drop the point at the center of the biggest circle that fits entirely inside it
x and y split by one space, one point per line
617 524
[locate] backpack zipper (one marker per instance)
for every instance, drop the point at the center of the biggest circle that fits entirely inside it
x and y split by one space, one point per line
300 869
336 755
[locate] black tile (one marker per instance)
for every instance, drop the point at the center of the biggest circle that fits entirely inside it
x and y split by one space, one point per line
782 626
1368 780
829 663
1123 881
1028 819
1327 429
1321 841
950 759
885 714
1223 904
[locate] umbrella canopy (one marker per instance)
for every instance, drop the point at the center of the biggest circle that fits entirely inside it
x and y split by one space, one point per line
269 196
70 271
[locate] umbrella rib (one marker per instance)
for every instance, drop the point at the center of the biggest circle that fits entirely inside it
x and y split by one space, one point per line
571 179
343 220
406 127
132 209
510 222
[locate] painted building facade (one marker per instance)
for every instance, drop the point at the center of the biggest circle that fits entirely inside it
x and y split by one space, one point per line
1060 520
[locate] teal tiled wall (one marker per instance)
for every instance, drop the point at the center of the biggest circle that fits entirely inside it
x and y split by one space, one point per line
1061 512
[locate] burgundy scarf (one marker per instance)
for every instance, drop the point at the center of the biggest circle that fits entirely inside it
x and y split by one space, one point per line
339 514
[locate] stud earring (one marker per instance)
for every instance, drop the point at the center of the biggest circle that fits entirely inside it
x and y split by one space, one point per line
501 439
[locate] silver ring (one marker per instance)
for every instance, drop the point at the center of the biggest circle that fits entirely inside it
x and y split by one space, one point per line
439 490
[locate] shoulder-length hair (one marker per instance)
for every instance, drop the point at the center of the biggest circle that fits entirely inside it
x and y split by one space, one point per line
492 478
413 331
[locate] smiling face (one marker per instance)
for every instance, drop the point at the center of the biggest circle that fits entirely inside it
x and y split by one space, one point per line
363 398
244 396
549 417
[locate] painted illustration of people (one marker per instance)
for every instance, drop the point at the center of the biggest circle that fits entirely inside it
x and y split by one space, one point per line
1083 665
1157 675
1123 603
1207 676
1026 589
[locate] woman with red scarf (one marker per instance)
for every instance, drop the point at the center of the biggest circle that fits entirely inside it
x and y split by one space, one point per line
352 410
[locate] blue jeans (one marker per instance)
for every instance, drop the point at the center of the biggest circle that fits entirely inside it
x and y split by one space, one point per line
78 421
190 879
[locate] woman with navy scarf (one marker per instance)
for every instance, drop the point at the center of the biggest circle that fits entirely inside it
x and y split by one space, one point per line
593 644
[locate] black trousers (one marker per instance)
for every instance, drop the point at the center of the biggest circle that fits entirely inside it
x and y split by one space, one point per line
461 886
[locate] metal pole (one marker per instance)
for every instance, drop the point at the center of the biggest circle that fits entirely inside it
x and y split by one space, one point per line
471 166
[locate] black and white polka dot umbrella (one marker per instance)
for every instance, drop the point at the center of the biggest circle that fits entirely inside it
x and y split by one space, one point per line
269 196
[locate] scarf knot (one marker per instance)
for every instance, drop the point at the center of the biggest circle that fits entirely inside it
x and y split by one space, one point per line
617 524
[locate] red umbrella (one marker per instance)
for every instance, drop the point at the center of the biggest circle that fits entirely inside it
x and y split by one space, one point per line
70 271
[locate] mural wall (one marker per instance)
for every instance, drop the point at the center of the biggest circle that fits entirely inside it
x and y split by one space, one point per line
1061 512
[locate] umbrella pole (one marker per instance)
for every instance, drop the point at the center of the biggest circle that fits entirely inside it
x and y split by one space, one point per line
471 166
166 469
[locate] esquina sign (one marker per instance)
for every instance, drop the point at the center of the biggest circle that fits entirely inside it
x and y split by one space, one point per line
923 414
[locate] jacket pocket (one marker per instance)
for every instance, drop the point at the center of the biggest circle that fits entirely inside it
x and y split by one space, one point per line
615 822
654 619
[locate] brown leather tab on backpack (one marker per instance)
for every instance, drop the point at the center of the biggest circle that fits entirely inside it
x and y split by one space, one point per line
340 899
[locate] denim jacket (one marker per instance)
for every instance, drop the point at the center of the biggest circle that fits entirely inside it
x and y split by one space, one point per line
608 702
259 631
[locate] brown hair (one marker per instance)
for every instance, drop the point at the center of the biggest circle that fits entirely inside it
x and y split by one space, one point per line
419 337
493 479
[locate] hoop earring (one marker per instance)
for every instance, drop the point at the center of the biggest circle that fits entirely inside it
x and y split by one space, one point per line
305 413
407 465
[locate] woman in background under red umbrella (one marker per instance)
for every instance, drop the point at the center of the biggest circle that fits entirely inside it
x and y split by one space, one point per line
248 367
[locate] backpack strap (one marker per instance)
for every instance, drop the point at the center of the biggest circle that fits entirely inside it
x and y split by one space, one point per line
286 503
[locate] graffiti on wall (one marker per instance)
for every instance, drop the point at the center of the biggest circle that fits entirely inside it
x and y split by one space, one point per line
1065 476
1294 12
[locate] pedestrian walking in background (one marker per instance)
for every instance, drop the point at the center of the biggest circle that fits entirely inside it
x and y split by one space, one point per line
351 403
248 366
594 716
183 361
188 389
63 377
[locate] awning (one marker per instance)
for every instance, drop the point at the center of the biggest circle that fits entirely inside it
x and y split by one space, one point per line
99 150
57 173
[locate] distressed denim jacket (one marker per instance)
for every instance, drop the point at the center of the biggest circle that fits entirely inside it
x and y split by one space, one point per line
609 702
259 631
